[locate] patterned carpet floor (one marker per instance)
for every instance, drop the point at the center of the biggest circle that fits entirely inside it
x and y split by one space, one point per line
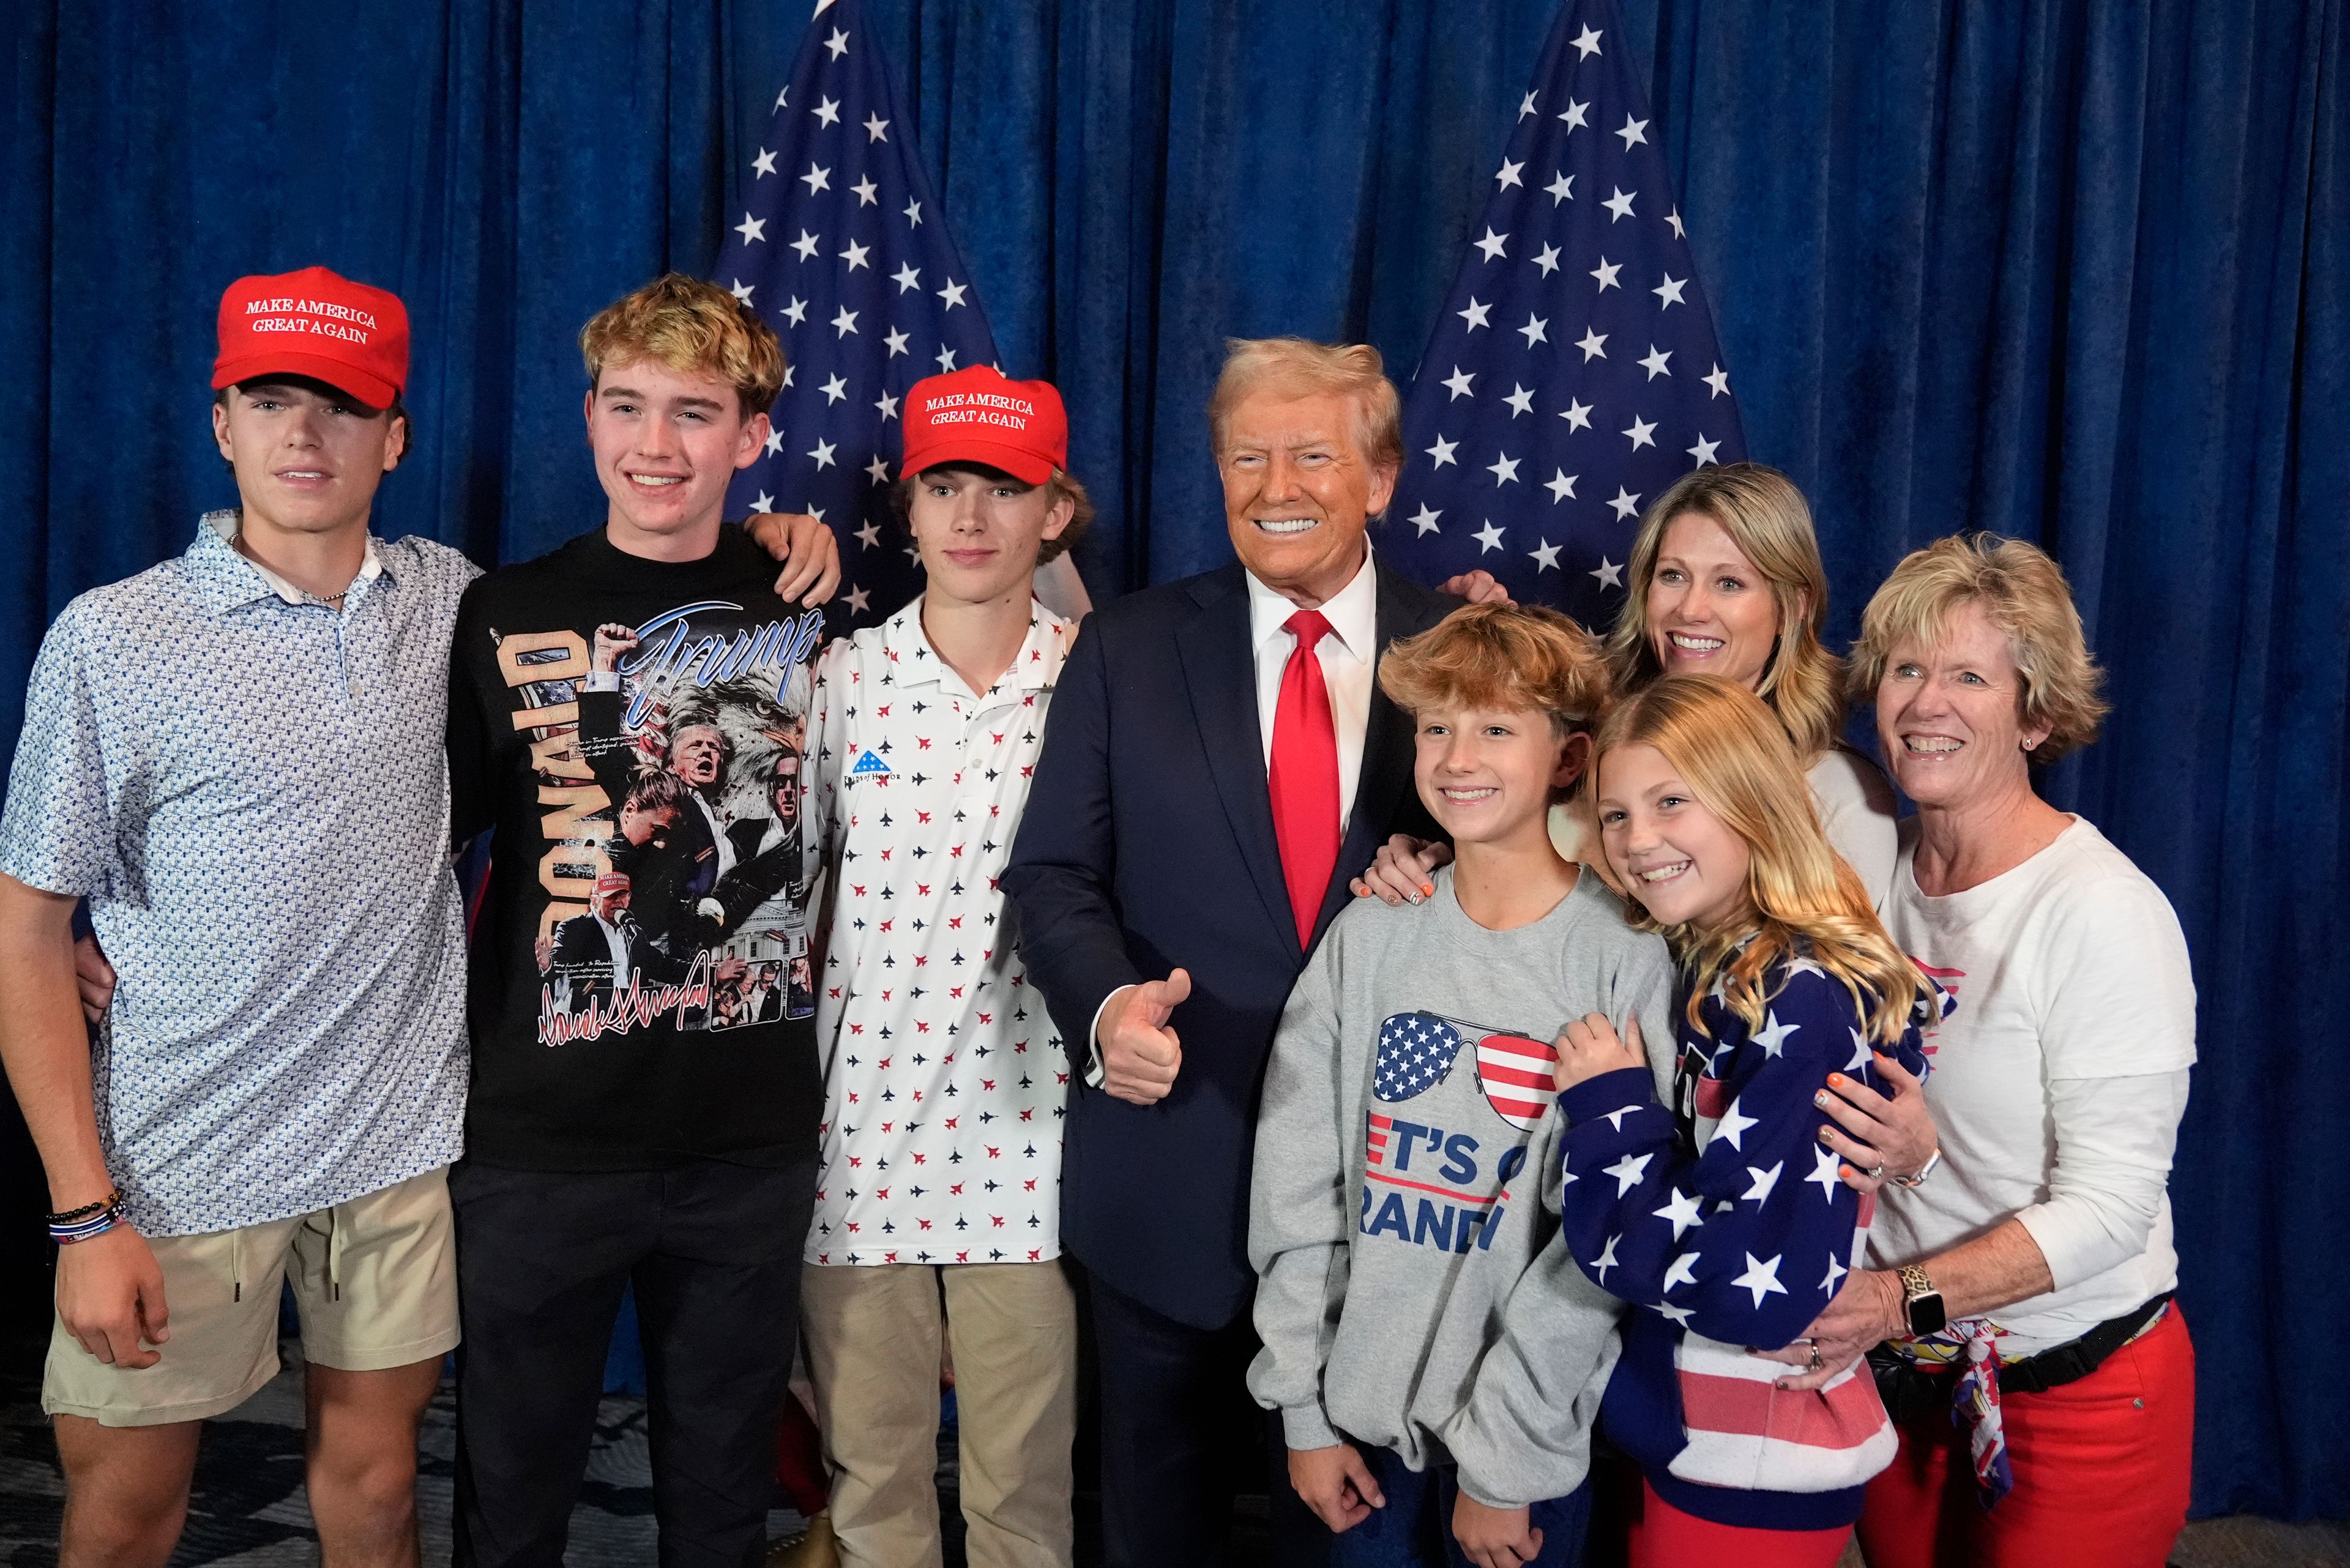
250 1511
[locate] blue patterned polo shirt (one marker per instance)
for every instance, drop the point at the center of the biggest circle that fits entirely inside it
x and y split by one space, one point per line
250 788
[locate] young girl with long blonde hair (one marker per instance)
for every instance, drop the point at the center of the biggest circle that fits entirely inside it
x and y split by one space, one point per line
1721 1217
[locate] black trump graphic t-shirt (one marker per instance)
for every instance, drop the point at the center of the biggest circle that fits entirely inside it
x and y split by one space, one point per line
633 730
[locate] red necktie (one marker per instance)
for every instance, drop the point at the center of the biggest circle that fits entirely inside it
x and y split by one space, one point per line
1304 777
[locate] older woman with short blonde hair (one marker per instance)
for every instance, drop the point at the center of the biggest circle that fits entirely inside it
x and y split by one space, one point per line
2024 1282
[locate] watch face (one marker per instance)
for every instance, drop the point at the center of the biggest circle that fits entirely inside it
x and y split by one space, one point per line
1926 1315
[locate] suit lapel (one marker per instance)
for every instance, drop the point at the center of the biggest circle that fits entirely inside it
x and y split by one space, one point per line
1220 673
1387 755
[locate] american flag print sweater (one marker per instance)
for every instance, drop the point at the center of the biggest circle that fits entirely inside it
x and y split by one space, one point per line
1723 1221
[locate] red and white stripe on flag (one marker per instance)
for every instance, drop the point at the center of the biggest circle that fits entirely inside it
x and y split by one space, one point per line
1517 1076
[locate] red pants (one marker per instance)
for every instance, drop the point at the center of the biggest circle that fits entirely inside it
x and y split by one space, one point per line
2101 1473
799 1459
1664 1537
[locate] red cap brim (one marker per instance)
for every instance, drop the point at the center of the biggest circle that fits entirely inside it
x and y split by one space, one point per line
341 374
1020 464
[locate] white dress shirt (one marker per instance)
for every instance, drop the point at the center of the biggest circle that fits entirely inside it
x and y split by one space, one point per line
1349 654
717 830
617 938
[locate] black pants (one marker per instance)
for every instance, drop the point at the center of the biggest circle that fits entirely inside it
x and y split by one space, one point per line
714 1251
1180 1436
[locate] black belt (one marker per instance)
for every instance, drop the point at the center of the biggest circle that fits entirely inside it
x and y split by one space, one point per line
1911 1393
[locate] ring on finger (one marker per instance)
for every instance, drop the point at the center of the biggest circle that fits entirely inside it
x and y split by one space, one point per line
1815 1362
1877 1172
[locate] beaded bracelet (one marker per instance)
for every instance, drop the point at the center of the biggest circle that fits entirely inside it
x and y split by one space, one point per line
113 1195
90 1220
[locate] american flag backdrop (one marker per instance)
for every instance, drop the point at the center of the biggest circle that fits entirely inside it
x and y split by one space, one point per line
844 250
1572 374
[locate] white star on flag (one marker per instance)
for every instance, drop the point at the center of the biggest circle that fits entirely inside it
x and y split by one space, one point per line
1734 1126
1628 1171
1543 273
1681 1211
1825 1170
847 298
1760 1277
1772 1035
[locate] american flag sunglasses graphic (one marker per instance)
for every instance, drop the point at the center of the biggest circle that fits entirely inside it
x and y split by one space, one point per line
1416 1051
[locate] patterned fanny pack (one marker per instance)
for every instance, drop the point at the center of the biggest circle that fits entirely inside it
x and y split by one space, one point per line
1914 1378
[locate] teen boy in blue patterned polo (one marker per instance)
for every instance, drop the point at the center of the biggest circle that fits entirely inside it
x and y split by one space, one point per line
221 755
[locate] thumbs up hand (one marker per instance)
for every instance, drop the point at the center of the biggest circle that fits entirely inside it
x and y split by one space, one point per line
1140 1055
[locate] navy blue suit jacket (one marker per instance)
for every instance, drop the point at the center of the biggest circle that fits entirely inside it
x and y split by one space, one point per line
1146 845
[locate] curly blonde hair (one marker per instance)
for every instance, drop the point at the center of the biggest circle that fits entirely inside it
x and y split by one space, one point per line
693 327
1765 516
1301 368
2024 594
1803 900
1501 657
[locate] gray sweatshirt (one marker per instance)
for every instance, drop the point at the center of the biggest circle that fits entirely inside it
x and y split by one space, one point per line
1413 1291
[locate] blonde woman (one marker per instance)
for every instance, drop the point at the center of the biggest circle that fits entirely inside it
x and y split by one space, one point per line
2028 1284
1723 1221
1725 579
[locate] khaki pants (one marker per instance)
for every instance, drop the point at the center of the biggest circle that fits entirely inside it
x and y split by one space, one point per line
375 1280
872 1335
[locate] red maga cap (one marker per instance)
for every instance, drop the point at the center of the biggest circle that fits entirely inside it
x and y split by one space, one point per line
977 416
314 323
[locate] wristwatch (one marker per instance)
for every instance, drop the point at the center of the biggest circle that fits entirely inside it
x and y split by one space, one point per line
1921 1302
1919 1177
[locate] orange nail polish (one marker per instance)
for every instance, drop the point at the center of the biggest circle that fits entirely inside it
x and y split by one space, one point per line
1428 889
1835 1077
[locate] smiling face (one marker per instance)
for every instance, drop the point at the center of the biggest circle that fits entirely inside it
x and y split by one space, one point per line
666 443
1949 714
307 458
978 531
1487 774
1299 492
1683 863
1709 612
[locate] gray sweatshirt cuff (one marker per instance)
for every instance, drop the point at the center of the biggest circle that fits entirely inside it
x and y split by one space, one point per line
1305 1427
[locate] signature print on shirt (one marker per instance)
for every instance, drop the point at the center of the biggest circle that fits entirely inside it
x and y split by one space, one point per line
1416 1052
669 759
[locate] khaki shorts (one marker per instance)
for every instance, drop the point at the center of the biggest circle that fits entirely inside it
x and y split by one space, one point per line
375 1279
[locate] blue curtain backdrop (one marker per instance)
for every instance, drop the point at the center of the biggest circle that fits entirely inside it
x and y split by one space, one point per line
2071 269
